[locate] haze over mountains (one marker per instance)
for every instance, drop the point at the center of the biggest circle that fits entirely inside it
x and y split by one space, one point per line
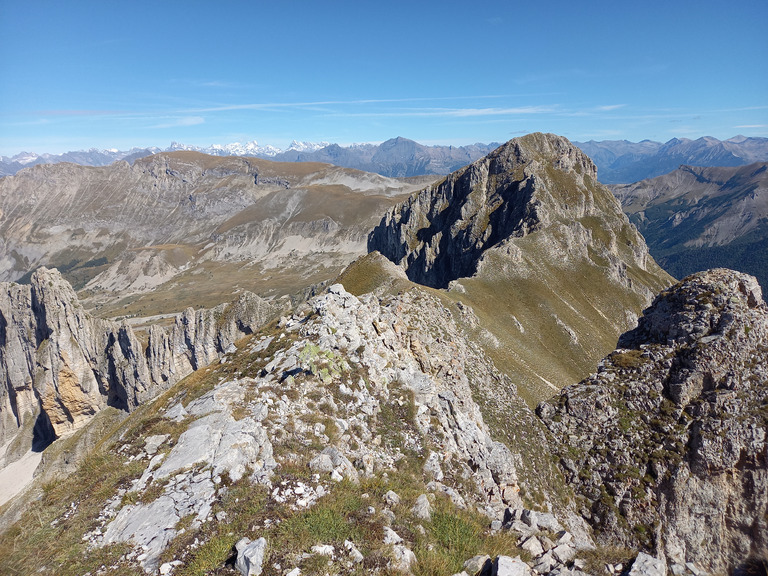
622 162
618 161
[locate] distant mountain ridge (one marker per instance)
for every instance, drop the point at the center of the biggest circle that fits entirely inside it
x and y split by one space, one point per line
96 157
9 165
396 157
618 161
623 162
696 218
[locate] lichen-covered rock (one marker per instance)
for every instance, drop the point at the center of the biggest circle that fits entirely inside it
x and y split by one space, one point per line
667 444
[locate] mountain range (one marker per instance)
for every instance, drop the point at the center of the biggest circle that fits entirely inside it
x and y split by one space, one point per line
396 157
483 373
622 162
618 161
96 157
159 235
698 218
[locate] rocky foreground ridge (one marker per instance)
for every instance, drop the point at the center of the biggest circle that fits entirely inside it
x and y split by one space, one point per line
351 411
666 445
59 365
355 437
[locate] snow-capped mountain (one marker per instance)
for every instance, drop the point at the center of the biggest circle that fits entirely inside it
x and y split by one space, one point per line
252 148
306 146
95 157
92 157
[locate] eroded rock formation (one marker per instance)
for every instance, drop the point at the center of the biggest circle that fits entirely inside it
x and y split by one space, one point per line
59 365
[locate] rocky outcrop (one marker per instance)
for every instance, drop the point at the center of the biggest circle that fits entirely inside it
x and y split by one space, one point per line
215 445
437 365
667 444
59 365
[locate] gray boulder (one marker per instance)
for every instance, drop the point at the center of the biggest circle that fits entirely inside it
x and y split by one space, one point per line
422 509
646 565
250 556
507 566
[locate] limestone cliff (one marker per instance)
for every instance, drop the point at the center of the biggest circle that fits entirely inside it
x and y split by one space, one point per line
59 365
667 444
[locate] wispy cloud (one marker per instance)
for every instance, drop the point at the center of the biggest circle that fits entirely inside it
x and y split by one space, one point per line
216 84
36 122
180 122
610 107
449 112
752 126
319 103
464 112
79 112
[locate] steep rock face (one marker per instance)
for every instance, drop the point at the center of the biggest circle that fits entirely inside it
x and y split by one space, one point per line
528 185
525 186
539 250
59 365
668 443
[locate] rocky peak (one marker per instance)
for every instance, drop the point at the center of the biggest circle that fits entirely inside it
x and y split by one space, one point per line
667 444
528 238
441 233
701 305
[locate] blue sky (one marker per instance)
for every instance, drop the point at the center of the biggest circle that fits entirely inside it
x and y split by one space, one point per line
119 74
